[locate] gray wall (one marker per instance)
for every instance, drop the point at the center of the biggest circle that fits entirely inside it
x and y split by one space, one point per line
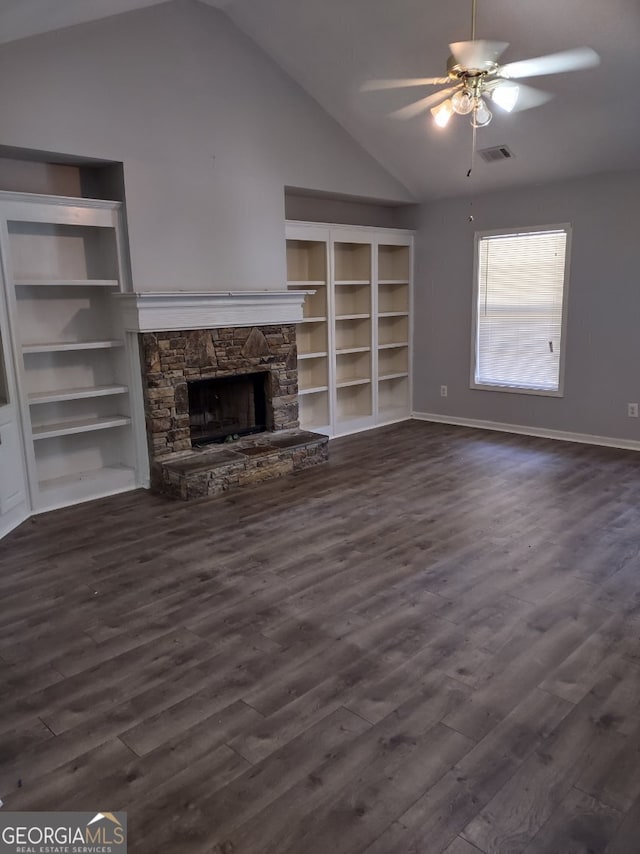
210 132
348 211
602 369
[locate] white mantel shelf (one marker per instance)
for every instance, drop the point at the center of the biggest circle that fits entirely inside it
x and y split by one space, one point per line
160 312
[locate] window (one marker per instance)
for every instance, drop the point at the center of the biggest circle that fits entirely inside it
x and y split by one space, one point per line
519 311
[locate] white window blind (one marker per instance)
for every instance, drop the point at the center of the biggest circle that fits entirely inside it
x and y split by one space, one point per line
519 311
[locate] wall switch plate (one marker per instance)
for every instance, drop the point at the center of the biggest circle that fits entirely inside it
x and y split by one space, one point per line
443 391
632 410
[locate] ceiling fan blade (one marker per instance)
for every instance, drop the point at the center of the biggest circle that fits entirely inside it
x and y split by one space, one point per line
555 63
476 53
424 103
527 96
402 83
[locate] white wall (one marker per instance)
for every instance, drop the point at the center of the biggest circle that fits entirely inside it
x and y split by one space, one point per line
602 372
209 131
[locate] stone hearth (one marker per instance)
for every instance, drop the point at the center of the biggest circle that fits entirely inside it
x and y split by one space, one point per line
217 468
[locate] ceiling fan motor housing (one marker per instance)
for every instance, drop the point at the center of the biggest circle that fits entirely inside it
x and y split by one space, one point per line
457 71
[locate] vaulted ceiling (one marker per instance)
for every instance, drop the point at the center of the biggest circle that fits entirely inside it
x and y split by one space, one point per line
331 47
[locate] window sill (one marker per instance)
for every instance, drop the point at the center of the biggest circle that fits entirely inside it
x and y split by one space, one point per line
540 392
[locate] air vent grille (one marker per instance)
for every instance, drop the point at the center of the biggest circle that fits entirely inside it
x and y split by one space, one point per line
498 152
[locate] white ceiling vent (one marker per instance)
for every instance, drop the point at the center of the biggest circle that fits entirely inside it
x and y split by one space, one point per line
498 152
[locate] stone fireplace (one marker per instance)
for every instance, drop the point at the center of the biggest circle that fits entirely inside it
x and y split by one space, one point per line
234 386
172 360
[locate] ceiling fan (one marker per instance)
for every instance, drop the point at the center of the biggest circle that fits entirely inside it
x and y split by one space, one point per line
475 76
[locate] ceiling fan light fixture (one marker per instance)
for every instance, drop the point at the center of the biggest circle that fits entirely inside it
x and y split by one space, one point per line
481 115
506 96
475 76
462 102
442 113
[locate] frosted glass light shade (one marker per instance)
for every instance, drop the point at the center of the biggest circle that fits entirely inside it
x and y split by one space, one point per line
442 113
506 95
482 115
462 103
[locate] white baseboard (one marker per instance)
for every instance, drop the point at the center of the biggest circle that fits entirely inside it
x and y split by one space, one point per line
12 519
540 432
388 423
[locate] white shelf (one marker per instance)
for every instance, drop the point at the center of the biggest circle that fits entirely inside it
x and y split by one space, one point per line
352 316
351 282
393 314
396 376
393 282
315 390
313 320
303 284
353 381
68 283
60 346
86 485
346 350
317 355
392 345
76 393
68 428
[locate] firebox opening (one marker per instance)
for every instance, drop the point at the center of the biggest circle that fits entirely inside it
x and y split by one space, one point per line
225 407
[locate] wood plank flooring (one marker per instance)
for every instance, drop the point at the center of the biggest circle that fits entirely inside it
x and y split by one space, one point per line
431 644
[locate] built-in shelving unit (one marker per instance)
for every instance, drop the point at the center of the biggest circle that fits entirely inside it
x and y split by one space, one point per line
354 341
63 264
308 269
394 332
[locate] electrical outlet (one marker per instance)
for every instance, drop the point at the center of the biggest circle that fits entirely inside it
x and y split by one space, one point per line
632 410
444 391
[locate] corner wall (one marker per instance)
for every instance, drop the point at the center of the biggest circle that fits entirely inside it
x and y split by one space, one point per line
602 369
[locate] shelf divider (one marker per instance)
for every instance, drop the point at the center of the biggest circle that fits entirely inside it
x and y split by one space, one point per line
317 355
353 381
76 393
345 350
68 428
61 346
313 390
396 376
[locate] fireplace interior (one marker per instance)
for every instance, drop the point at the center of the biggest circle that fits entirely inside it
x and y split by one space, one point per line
227 406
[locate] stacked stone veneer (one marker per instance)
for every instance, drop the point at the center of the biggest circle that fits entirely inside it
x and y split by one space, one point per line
251 460
171 359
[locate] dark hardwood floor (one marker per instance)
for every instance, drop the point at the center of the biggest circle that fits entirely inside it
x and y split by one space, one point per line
431 644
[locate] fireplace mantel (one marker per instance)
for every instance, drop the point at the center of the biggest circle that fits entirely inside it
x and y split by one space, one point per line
151 312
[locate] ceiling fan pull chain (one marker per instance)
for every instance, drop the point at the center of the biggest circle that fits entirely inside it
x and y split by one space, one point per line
473 157
473 150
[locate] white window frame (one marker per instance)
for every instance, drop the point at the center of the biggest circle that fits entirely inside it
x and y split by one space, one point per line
479 235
